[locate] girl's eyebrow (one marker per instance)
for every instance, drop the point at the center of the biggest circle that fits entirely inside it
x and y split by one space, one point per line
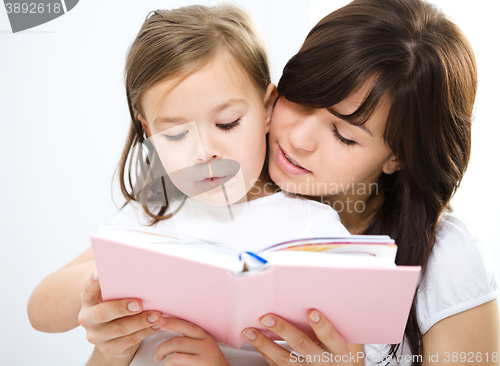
227 104
160 119
218 108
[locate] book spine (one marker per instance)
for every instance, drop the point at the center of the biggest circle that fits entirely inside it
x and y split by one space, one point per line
248 296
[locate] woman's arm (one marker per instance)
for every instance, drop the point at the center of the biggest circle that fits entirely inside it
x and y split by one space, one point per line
56 301
469 336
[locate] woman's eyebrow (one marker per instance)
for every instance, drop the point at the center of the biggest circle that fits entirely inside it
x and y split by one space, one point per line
362 126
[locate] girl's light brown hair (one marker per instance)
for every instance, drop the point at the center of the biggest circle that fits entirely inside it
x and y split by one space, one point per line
175 44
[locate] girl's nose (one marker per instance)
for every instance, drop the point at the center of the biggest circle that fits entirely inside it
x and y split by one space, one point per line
303 134
207 150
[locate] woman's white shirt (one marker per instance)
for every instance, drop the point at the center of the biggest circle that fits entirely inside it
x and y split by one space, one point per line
459 276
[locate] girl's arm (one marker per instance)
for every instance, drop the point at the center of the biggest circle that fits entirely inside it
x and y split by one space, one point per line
55 303
471 336
99 359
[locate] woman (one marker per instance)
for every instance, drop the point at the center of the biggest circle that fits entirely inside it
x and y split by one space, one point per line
374 116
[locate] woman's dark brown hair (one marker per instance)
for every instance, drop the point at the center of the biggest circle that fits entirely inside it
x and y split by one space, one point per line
425 65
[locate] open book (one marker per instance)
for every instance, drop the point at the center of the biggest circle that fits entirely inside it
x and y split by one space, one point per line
353 281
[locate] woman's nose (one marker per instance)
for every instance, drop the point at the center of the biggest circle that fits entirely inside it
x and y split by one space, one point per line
303 134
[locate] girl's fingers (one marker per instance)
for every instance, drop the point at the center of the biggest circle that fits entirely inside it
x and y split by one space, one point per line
182 327
132 324
294 337
273 353
107 311
182 359
327 334
122 327
91 290
119 346
184 345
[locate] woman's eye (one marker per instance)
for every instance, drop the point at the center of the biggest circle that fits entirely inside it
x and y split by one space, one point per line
177 137
228 126
341 138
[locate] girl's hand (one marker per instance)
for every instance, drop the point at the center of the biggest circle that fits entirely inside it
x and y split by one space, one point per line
196 348
332 350
116 327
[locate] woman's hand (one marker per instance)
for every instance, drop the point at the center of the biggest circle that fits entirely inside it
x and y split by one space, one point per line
116 327
332 350
195 348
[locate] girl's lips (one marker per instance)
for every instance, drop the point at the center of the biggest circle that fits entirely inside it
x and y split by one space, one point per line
286 165
213 182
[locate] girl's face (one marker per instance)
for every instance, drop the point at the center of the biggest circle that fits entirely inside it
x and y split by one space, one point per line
312 152
210 129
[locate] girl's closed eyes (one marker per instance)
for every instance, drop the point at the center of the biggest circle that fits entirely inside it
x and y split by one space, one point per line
223 126
228 126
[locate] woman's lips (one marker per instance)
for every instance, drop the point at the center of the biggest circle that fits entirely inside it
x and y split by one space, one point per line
213 182
287 166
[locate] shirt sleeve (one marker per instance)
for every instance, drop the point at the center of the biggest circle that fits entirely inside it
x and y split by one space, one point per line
459 276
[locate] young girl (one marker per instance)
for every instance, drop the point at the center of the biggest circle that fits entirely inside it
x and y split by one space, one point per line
200 100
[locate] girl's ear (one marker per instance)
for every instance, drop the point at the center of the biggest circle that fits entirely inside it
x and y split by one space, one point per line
391 165
144 124
269 98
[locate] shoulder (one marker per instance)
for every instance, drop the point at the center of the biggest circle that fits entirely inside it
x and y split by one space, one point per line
459 274
132 214
317 219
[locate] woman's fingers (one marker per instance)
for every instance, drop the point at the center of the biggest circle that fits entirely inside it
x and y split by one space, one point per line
273 353
327 334
294 337
182 327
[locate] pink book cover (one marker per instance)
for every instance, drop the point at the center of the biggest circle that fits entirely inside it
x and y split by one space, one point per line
365 305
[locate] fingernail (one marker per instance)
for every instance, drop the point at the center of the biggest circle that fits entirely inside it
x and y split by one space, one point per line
162 321
268 321
133 306
155 327
250 334
95 276
152 317
314 316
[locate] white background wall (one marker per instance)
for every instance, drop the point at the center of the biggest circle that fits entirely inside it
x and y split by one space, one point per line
63 123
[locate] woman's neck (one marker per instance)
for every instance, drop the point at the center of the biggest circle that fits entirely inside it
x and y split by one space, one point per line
356 211
263 187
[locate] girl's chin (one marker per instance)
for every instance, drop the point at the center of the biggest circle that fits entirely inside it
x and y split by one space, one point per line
216 196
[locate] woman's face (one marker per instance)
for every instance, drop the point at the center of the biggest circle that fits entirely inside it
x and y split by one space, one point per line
314 153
